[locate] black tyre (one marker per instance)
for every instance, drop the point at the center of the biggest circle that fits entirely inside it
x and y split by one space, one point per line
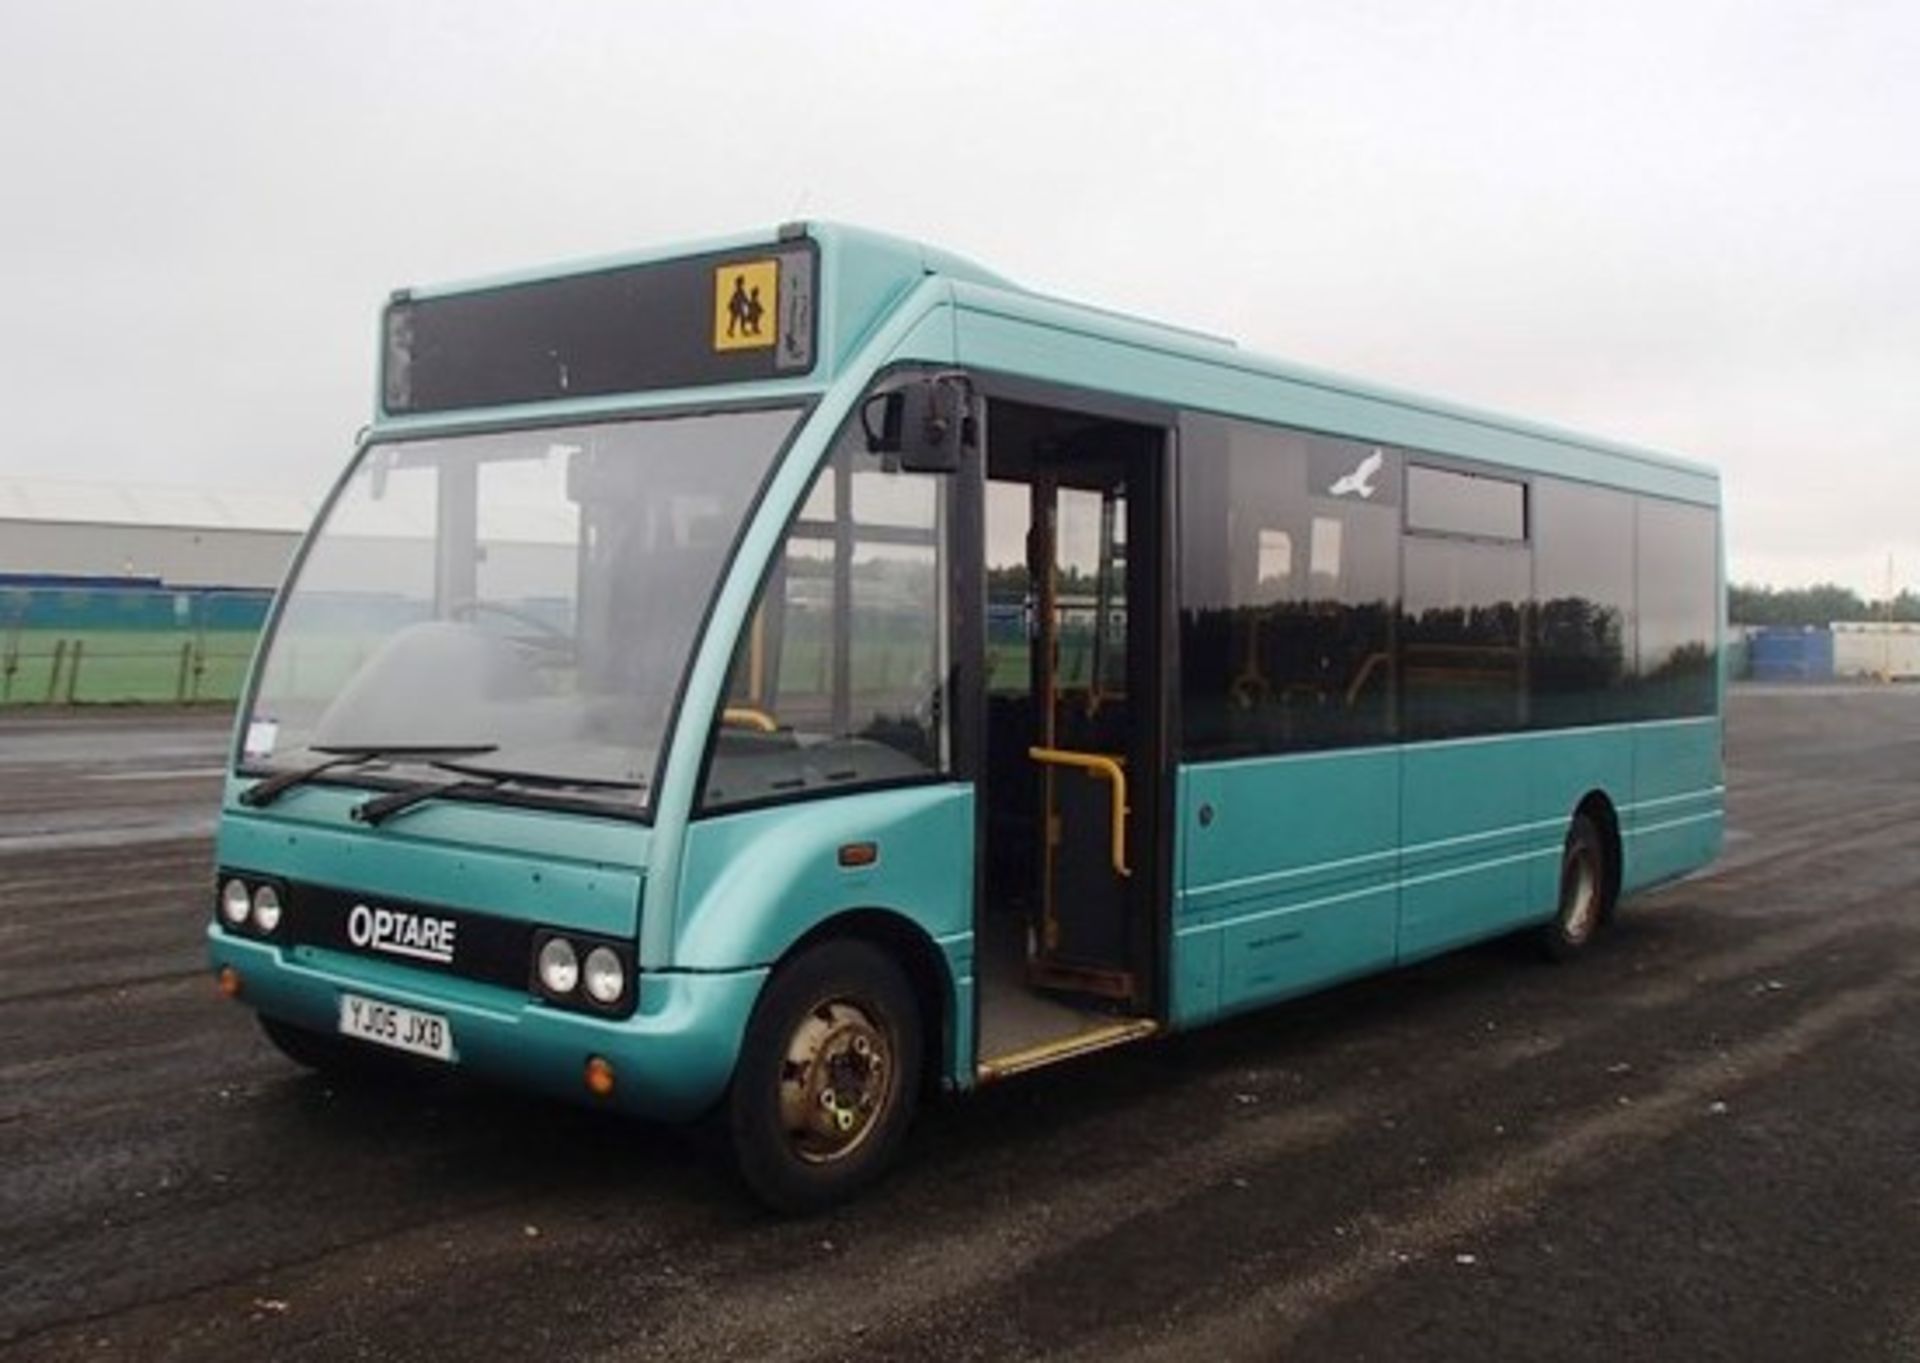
828 1077
1585 893
333 1056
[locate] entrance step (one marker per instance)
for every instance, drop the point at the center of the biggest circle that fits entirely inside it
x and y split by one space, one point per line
1064 1048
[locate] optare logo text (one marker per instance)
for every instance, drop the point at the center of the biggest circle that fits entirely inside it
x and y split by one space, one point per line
399 933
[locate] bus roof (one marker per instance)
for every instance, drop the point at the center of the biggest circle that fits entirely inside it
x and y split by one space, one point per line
865 275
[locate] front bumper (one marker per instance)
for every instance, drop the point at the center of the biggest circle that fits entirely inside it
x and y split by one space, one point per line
673 1057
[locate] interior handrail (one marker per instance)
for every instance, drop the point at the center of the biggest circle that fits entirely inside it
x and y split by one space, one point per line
1100 768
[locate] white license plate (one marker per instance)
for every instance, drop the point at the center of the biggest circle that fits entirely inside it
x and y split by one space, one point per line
402 1029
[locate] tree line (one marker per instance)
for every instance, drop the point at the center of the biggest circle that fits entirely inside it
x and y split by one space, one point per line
1747 603
1822 604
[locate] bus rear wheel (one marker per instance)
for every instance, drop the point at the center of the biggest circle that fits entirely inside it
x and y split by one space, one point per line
828 1077
1584 893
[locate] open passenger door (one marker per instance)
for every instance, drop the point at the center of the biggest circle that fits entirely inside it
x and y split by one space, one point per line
1070 943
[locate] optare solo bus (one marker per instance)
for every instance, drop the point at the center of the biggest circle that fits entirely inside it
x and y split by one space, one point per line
812 672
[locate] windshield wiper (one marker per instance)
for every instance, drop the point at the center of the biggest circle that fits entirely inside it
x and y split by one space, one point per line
263 793
487 780
380 808
544 779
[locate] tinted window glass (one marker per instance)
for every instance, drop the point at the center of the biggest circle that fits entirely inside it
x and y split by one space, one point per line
1583 617
1450 503
840 678
1462 660
1289 580
1679 608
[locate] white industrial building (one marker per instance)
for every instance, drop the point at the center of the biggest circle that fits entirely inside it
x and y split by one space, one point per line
1876 649
178 537
54 531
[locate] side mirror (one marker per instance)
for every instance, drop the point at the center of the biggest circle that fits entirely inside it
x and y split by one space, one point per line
922 425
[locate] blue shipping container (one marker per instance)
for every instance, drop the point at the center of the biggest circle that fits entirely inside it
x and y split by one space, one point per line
1787 654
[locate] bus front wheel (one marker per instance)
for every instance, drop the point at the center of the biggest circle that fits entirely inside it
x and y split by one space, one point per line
828 1076
1583 892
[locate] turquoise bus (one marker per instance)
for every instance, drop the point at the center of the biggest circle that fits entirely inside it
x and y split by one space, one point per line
776 680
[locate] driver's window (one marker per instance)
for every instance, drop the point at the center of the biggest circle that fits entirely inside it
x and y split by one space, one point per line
840 679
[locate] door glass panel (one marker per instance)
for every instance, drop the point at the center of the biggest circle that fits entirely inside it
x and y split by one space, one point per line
1111 629
1010 621
1076 586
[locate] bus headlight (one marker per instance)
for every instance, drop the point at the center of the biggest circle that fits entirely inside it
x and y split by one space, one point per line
606 977
266 907
583 971
235 902
559 966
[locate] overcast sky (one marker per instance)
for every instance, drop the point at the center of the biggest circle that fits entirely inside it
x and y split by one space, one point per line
1694 226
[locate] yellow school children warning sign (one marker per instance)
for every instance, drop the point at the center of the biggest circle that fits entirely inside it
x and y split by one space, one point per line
746 296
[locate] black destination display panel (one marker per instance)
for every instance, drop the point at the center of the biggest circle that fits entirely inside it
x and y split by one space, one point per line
730 317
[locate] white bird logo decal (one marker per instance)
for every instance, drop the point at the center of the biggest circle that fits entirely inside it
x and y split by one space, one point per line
1360 481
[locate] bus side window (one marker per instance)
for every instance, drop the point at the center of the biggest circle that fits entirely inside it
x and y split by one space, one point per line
839 679
1290 577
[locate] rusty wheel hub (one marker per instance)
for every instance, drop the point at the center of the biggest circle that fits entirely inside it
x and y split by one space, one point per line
836 1080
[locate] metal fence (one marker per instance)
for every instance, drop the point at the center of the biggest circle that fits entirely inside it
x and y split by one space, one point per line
100 644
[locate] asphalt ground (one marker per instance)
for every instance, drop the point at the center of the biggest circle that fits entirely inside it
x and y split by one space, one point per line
1702 1141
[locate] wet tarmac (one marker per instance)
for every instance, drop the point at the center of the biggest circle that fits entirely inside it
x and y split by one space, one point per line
1701 1142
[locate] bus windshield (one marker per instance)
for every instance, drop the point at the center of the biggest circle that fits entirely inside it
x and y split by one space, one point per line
524 601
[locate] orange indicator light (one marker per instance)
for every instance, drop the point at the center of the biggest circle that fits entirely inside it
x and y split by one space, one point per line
859 854
229 982
599 1077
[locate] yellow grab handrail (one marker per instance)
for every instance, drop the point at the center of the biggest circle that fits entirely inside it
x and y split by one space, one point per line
747 717
1100 768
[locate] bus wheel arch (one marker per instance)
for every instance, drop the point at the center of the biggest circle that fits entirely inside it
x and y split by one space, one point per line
1586 883
1599 810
